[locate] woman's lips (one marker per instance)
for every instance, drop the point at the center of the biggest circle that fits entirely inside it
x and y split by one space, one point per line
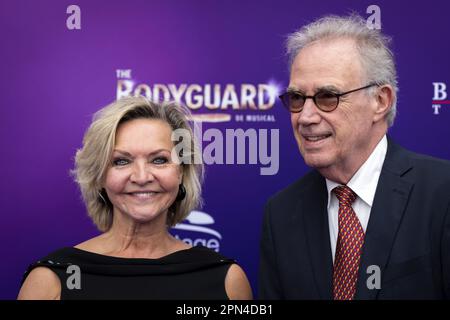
142 195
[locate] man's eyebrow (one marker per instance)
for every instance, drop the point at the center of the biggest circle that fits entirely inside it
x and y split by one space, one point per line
292 89
328 88
125 153
331 88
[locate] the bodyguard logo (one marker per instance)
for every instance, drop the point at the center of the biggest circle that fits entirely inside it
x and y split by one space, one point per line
439 96
210 102
195 231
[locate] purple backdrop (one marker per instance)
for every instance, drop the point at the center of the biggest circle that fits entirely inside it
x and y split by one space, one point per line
53 79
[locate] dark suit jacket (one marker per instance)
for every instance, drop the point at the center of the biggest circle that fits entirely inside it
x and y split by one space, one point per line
408 235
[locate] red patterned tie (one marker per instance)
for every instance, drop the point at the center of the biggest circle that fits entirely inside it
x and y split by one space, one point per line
349 246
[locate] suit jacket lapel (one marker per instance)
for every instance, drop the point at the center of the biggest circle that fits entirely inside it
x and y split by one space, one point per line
313 205
389 204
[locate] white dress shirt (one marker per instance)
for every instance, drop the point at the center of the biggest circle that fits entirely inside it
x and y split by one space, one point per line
364 183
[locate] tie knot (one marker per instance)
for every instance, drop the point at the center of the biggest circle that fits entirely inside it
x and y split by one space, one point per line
345 195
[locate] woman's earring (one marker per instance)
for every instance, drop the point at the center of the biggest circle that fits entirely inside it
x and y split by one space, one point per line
101 196
181 192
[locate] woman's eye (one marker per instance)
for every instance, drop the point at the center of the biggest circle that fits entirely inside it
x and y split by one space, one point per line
160 160
120 162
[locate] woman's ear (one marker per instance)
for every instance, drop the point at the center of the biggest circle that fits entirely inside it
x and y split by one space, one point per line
384 99
181 173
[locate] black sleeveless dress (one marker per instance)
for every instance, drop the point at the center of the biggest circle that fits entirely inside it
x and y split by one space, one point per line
190 274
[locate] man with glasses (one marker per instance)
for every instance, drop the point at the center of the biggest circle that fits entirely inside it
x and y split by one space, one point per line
372 220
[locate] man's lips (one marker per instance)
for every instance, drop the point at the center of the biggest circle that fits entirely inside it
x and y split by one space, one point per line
315 137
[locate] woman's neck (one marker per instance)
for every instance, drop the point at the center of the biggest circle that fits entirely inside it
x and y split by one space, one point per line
132 239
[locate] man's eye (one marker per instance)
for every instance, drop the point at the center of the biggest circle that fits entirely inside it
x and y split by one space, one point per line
326 95
160 160
120 162
296 96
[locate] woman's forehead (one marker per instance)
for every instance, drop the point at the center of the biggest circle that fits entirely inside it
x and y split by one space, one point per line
144 133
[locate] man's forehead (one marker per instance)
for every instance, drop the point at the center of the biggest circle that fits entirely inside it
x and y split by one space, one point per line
323 64
327 53
325 44
315 87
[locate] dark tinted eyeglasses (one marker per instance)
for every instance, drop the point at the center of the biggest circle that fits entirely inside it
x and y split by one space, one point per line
325 100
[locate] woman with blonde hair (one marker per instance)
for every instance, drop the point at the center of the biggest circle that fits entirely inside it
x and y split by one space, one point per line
135 186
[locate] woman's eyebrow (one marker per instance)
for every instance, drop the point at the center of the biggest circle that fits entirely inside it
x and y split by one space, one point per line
125 153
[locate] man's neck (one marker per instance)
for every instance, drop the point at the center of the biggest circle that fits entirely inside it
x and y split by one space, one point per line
343 173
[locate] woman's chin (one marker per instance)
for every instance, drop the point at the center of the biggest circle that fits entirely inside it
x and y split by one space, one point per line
145 217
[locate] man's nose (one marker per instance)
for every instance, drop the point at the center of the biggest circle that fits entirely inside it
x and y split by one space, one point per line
309 114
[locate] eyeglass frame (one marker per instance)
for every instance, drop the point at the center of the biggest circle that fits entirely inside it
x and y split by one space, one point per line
337 95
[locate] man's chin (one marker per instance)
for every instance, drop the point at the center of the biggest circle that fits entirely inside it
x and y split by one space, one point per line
316 161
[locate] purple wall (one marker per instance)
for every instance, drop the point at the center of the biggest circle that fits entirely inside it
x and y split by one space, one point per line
53 79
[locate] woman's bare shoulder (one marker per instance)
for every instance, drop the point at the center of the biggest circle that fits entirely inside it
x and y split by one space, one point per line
237 285
41 284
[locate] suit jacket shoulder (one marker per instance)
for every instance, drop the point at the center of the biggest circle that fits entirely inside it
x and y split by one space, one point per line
425 172
291 194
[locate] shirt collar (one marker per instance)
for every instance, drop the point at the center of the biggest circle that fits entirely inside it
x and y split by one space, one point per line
364 181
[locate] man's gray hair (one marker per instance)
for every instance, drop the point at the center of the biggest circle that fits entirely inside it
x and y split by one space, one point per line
376 57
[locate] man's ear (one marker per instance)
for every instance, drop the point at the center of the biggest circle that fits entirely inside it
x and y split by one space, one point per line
384 99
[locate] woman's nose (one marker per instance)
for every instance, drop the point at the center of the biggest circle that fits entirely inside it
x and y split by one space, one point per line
141 174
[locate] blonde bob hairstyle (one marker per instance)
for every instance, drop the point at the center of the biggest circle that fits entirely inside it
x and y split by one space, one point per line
94 159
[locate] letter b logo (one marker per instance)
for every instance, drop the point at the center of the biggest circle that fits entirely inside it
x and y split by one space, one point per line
439 91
